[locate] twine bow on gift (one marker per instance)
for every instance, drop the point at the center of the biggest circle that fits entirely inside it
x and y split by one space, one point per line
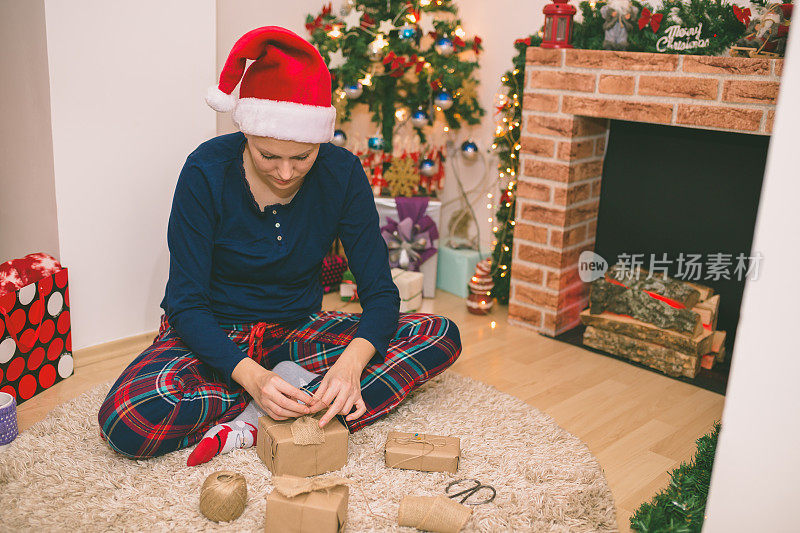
410 241
425 440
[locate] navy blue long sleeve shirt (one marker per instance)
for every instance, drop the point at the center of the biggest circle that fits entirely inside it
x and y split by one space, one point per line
231 262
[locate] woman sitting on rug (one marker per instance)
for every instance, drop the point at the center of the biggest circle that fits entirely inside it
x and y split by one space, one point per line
253 215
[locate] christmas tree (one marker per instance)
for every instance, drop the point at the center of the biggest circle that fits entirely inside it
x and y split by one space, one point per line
407 61
507 145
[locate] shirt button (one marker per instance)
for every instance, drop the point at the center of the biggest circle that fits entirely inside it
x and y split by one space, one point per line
277 224
280 238
274 212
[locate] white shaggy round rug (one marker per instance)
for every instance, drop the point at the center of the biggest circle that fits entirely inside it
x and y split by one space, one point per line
60 476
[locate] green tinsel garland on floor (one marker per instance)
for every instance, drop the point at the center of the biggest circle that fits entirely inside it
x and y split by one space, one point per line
681 507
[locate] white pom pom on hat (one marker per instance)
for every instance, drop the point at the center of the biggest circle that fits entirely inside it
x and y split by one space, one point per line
286 91
220 101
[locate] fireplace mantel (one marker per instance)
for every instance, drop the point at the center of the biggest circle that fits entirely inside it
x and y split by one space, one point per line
569 97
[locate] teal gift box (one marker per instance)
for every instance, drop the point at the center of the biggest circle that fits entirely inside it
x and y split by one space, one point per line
456 267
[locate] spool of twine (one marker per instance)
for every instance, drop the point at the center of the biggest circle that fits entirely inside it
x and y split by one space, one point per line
223 496
433 513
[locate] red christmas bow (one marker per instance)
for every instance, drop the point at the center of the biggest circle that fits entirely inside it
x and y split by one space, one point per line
419 62
742 14
317 22
476 44
388 58
397 65
654 19
314 24
367 21
526 41
458 41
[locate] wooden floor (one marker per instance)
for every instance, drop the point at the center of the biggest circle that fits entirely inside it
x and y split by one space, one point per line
639 424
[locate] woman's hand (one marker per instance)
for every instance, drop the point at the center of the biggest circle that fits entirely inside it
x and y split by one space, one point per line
272 393
341 386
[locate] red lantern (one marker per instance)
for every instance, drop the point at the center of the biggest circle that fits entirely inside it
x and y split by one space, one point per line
558 24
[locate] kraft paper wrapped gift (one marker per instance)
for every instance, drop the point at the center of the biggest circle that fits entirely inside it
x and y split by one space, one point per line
410 286
302 505
418 451
299 447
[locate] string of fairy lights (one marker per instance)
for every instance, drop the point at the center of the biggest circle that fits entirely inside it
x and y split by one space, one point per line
506 145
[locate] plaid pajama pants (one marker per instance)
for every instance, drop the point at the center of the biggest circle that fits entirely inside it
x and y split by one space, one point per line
166 399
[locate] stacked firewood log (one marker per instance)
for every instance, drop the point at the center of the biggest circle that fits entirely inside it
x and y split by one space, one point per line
666 324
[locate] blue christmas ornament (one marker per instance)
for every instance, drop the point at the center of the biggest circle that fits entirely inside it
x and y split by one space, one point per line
375 143
407 31
419 118
469 150
443 100
353 91
427 167
444 46
339 138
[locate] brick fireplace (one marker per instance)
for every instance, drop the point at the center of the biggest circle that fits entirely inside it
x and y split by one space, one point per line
569 97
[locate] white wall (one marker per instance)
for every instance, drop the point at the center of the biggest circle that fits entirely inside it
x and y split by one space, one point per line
754 485
498 23
28 221
127 82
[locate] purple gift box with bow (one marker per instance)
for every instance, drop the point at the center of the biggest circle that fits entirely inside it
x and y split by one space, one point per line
411 234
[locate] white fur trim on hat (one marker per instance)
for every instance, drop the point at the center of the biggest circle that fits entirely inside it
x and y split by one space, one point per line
285 120
220 101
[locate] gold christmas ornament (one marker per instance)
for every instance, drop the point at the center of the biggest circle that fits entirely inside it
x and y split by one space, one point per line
402 177
468 91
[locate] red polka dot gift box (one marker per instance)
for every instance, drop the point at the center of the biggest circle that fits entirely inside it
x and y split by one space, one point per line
35 337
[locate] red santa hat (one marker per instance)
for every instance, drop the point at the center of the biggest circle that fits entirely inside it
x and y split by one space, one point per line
286 91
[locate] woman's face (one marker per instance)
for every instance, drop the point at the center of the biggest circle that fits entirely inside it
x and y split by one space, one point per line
282 164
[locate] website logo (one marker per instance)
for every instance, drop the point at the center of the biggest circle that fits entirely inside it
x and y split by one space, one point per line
591 266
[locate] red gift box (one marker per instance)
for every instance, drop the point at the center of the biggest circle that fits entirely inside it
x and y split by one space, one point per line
35 337
333 266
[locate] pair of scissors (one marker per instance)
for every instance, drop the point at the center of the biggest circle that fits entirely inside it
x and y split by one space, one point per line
470 491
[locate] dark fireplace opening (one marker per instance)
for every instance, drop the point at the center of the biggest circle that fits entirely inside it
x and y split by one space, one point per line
671 190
